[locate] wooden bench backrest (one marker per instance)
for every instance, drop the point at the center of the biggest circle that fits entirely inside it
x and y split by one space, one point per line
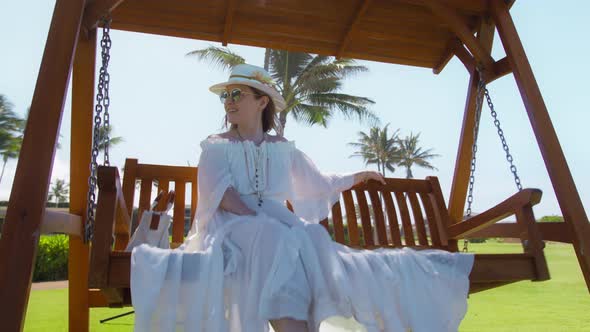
166 177
405 212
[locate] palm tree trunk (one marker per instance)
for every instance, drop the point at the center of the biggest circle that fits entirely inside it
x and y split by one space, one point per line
283 114
283 121
3 167
266 59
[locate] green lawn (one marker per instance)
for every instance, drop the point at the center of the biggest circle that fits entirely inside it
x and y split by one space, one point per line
561 304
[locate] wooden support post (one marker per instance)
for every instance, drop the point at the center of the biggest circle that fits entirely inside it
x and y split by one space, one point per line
466 58
229 18
359 14
80 147
559 173
20 237
465 150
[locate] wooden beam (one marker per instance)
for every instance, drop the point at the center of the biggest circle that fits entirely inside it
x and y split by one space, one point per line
465 57
502 268
448 55
81 132
61 222
364 5
501 68
96 10
555 162
229 18
18 245
458 26
550 231
474 7
465 149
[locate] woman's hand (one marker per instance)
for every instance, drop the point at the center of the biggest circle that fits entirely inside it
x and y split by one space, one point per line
232 202
368 175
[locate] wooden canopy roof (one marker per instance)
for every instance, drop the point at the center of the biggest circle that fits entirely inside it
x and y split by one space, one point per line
408 32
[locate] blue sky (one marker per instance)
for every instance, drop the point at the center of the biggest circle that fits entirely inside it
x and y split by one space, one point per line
157 92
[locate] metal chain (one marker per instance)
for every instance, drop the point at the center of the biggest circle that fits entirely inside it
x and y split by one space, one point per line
102 103
478 106
503 140
105 44
482 91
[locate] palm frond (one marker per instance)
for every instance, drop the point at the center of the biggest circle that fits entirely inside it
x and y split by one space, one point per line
311 114
349 106
219 56
285 66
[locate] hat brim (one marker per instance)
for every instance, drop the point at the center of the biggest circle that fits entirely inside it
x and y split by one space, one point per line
277 99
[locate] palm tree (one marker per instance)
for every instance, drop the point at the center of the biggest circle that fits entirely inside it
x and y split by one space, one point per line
11 125
10 151
378 147
11 132
309 83
412 154
103 133
59 192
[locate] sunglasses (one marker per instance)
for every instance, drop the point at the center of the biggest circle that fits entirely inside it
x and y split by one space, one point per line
235 95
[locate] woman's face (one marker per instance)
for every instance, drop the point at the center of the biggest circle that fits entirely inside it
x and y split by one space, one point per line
247 109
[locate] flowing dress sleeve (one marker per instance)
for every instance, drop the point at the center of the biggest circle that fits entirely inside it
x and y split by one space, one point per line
214 177
313 193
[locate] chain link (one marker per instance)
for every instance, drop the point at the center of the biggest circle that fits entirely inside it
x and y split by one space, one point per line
102 104
482 91
503 140
478 107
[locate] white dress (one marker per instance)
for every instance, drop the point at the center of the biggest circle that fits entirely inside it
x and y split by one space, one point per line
235 273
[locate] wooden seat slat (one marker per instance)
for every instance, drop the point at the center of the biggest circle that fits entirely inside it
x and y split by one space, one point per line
353 231
418 219
338 223
392 220
431 219
178 215
406 222
379 218
365 217
163 185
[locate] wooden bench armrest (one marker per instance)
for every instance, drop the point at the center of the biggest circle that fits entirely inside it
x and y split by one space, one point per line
508 207
109 220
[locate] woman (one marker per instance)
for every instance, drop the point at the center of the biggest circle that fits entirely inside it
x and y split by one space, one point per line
249 260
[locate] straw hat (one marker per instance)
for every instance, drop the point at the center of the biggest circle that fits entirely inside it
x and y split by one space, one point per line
254 77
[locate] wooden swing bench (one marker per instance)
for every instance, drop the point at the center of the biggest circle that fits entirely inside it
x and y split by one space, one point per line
410 213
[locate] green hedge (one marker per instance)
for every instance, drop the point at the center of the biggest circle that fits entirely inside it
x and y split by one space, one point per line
52 258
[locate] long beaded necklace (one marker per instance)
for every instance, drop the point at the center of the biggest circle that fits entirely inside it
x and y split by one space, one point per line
258 168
